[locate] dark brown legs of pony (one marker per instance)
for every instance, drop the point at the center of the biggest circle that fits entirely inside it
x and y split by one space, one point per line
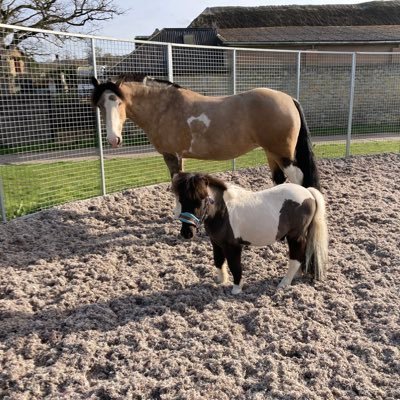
233 255
297 258
174 163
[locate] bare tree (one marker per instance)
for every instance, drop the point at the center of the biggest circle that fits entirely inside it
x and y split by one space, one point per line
61 15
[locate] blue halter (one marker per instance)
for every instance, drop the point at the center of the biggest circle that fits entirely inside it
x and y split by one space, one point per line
191 219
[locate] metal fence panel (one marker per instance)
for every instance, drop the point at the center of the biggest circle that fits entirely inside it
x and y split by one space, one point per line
50 151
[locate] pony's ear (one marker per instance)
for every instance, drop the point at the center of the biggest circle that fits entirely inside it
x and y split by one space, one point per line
95 82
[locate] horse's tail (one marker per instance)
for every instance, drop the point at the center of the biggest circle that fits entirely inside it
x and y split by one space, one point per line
305 159
317 239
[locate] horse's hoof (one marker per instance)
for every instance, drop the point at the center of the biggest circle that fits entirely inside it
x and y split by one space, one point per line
236 289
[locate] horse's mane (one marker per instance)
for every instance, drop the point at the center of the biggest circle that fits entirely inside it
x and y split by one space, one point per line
102 87
145 79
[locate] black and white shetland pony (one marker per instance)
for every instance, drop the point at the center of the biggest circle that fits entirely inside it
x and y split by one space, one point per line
234 217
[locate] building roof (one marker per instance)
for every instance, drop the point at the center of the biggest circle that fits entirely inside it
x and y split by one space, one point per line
362 14
152 59
310 34
197 36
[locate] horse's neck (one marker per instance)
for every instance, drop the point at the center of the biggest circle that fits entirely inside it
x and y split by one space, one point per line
145 104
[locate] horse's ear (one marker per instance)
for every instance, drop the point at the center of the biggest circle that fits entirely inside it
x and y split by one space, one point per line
120 80
95 82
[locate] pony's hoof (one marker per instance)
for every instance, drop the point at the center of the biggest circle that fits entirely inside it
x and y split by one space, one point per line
236 289
283 284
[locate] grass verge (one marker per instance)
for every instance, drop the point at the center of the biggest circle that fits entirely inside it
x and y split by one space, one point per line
31 187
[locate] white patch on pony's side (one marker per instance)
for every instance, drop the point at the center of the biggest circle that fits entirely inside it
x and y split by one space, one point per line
252 219
294 267
254 216
294 174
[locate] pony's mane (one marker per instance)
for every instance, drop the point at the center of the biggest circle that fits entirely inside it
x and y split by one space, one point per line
194 186
145 79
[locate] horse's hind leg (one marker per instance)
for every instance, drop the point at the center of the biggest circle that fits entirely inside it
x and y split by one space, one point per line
291 170
174 163
278 176
219 262
297 255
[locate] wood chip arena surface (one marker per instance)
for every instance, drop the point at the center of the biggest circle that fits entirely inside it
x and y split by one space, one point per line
100 299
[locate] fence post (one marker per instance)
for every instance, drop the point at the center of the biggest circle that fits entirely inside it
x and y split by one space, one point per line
351 104
170 64
2 202
98 126
298 75
234 91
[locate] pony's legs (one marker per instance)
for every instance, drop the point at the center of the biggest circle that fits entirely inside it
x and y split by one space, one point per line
233 256
219 262
297 252
174 163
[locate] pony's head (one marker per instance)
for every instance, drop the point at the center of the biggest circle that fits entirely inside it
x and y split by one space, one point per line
110 99
192 199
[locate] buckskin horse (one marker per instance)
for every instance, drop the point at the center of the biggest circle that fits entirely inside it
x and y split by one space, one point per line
234 217
181 123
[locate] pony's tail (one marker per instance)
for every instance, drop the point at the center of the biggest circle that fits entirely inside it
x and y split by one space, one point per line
317 239
305 159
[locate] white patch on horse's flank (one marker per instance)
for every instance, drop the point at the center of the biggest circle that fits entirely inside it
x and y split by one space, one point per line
198 125
294 266
178 207
202 118
294 174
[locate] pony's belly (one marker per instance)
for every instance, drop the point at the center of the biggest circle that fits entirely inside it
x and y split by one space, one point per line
258 237
257 230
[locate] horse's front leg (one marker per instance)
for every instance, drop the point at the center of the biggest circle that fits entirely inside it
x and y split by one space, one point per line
219 262
233 255
174 163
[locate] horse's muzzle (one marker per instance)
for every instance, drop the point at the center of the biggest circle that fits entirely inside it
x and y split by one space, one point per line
115 141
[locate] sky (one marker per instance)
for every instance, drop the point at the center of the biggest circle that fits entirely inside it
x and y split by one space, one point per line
144 16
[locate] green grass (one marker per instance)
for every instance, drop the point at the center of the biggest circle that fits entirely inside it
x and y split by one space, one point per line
31 187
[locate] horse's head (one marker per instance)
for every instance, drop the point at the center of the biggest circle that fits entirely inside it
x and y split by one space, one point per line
110 99
192 197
